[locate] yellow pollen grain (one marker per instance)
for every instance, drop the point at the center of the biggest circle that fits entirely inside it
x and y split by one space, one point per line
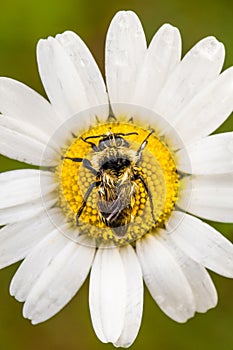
157 167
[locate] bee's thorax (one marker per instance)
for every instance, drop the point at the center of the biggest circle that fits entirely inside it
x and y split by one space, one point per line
114 160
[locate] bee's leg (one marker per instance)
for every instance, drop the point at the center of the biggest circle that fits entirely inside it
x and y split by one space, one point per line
86 196
143 145
78 160
139 177
86 163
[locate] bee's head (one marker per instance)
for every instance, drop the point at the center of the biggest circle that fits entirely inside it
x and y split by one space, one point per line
109 140
112 140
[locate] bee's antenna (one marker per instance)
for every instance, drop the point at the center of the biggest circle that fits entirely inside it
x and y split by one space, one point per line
93 137
93 146
127 134
111 133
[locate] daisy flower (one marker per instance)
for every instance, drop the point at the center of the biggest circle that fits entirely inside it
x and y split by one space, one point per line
127 170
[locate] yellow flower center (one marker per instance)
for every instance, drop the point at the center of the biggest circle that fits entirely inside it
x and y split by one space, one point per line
140 203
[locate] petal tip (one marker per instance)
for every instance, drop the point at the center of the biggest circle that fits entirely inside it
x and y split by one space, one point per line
124 17
65 34
168 27
34 322
211 47
169 32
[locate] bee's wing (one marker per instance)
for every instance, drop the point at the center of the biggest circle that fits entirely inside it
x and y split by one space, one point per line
120 231
117 213
122 202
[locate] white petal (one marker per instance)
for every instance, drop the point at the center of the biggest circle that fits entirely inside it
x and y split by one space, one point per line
35 263
107 294
208 196
208 110
202 243
25 211
199 67
161 58
87 69
23 128
134 297
17 145
16 240
24 185
125 51
53 142
165 279
59 282
211 155
60 78
203 289
20 102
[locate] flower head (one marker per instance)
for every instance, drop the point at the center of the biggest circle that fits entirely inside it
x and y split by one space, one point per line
126 171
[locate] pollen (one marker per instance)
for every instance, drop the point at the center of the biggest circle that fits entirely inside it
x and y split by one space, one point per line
157 167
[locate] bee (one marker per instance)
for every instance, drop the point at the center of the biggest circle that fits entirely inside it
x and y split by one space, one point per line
116 169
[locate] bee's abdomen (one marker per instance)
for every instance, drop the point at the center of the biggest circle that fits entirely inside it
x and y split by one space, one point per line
119 222
115 208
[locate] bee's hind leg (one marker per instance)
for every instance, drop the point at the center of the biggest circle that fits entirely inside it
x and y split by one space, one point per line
84 203
139 177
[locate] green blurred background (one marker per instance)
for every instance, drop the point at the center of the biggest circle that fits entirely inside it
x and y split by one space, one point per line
22 23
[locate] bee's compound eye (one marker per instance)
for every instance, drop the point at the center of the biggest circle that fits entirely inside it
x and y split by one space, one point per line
104 144
121 142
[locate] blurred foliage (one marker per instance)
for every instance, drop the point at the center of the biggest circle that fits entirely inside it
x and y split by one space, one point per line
22 23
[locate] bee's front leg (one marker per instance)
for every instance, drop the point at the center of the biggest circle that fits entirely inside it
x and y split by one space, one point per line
143 145
86 163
